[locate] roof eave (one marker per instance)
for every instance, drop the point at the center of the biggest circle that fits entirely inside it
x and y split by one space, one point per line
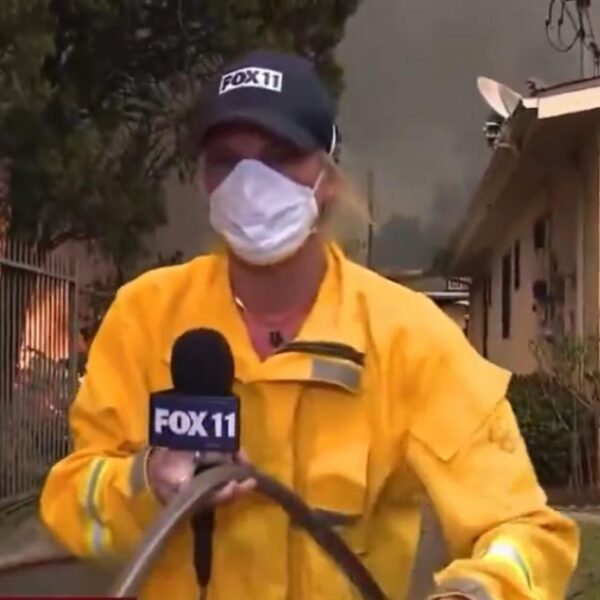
497 173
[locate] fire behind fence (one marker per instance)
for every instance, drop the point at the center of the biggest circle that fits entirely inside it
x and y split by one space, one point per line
38 365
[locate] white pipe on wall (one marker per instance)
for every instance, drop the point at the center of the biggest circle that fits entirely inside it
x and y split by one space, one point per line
579 251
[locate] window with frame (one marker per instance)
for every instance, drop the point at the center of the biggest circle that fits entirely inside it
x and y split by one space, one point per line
517 264
488 289
539 234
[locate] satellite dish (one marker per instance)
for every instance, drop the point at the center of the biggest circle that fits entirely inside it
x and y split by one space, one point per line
501 98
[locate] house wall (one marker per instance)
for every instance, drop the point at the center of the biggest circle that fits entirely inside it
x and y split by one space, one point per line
514 352
591 292
555 199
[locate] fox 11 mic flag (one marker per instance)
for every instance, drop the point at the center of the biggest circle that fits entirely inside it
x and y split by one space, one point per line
196 423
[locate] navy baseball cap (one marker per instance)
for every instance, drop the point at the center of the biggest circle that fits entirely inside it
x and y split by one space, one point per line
276 91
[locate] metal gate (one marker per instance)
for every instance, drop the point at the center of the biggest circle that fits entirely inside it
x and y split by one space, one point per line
38 365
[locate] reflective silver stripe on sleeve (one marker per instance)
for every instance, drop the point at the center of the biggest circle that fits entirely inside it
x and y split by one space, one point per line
137 475
90 491
97 536
505 551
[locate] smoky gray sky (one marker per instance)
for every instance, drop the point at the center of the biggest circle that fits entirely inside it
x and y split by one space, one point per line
411 109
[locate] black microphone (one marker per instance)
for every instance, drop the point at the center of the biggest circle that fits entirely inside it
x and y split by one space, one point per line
202 365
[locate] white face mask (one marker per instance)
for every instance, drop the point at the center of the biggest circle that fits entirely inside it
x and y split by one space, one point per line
264 216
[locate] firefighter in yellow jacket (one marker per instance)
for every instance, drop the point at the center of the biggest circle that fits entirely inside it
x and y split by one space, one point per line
403 409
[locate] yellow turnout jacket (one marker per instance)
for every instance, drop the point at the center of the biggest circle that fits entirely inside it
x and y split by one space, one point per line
404 410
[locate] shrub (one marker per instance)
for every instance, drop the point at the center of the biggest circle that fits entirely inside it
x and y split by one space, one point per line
552 424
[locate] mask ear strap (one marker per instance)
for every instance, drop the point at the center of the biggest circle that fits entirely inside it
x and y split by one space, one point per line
319 181
334 141
332 149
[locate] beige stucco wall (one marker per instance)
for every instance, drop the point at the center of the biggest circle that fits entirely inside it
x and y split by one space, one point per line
591 292
555 197
514 353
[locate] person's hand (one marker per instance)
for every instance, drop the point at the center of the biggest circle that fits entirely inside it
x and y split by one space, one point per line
234 490
168 471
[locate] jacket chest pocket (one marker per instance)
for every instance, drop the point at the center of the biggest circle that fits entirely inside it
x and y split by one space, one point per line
332 446
332 451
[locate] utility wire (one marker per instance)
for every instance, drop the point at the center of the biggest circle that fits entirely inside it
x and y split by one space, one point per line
567 27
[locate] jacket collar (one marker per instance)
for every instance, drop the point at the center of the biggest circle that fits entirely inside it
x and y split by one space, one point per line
328 347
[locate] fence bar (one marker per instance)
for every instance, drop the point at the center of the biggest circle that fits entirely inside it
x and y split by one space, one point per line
38 365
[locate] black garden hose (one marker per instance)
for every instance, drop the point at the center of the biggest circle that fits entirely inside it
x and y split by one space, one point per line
197 496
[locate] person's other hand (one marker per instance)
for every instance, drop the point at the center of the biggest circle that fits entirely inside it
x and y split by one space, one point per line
168 471
234 490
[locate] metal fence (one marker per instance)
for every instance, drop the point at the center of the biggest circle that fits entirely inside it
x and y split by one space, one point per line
38 365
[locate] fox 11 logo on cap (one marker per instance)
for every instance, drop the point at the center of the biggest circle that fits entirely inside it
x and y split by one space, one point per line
251 77
196 423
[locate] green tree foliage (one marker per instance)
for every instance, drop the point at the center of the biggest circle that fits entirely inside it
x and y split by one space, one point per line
115 51
96 95
71 176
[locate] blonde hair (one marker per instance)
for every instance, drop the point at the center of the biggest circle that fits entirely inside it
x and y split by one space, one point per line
348 216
